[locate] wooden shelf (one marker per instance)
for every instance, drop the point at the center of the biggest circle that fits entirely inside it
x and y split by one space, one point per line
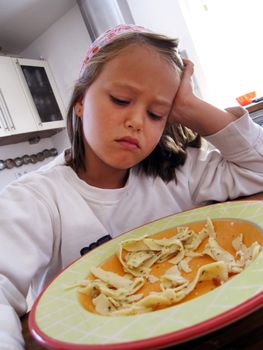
26 137
254 107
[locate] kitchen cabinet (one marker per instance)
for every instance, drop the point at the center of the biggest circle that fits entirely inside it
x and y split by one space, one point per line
15 114
29 99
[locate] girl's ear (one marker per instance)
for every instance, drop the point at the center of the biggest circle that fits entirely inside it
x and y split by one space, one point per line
78 108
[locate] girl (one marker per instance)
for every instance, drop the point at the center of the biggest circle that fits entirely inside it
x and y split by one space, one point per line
135 156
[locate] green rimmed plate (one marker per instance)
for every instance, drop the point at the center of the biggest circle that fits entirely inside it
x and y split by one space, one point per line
58 320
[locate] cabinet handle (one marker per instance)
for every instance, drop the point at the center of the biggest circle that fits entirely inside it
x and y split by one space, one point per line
4 104
2 112
2 119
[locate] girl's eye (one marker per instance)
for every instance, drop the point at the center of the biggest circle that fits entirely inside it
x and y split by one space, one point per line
154 116
119 101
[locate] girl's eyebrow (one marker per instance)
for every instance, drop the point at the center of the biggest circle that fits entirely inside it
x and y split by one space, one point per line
158 100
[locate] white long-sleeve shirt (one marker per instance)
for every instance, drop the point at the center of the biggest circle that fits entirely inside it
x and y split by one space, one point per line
48 216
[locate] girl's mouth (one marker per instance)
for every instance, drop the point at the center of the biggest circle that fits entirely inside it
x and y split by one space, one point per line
129 143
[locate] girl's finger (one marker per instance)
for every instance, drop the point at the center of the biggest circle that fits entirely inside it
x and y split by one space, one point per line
188 67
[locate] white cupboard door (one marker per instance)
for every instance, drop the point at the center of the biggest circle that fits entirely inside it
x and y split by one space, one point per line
42 93
15 114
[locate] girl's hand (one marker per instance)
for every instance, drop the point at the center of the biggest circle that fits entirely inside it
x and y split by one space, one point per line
185 91
194 113
185 95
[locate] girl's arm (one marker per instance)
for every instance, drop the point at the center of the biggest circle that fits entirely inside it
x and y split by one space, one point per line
26 236
194 113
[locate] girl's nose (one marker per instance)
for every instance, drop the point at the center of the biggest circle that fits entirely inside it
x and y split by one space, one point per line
135 121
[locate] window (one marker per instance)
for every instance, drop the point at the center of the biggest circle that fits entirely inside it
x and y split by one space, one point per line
42 93
226 34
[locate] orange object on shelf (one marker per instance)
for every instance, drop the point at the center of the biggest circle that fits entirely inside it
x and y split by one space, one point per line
246 99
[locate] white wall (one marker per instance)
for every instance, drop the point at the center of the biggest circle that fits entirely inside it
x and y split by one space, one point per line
166 17
63 45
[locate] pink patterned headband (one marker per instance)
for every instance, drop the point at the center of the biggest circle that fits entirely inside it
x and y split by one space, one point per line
107 37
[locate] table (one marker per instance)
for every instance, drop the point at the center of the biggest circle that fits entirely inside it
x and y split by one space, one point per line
246 333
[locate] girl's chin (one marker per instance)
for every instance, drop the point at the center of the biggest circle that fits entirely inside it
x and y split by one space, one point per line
123 165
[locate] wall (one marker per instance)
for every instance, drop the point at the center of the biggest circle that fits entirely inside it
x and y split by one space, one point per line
63 45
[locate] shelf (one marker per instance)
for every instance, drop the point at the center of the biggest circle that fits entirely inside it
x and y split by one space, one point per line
8 140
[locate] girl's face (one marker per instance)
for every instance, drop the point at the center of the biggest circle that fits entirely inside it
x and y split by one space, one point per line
125 109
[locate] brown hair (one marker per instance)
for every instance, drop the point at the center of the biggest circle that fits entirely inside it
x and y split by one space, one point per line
170 152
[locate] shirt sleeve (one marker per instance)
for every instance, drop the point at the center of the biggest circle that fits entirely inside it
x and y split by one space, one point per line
26 228
233 168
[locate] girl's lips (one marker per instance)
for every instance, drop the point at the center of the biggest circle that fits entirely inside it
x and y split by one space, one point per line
129 143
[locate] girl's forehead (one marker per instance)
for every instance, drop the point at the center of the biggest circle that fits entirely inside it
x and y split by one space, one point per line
138 52
137 55
140 68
